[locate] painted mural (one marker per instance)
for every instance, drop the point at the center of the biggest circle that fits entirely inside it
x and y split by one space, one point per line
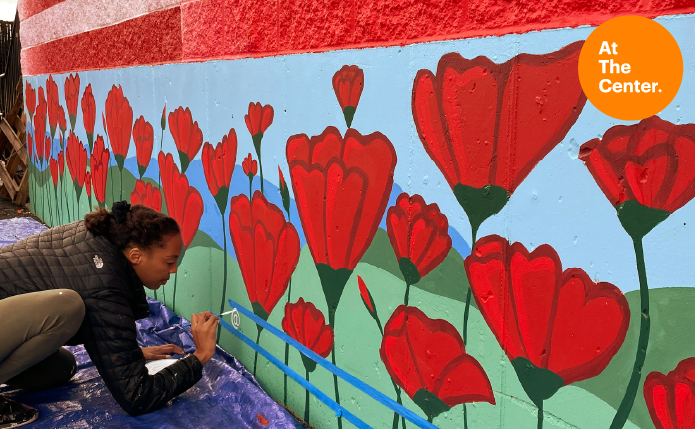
431 218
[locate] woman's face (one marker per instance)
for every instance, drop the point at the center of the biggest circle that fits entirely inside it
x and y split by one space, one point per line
154 266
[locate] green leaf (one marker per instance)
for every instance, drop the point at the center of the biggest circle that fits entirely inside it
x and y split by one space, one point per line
638 219
409 271
221 199
480 203
309 364
538 383
333 283
259 311
141 170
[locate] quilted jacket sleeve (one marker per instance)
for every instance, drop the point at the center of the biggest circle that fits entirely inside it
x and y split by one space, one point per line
111 341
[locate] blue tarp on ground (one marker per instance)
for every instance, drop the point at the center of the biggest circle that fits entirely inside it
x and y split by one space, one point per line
227 396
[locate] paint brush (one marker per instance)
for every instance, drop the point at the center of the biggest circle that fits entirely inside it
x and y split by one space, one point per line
187 324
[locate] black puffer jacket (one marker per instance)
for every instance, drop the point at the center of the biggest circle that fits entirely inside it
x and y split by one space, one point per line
70 257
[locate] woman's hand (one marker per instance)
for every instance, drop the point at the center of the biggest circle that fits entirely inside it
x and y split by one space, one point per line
161 352
204 328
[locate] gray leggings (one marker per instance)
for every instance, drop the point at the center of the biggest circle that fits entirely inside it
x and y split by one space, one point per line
33 327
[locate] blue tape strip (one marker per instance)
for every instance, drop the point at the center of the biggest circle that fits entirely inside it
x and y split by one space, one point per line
339 411
364 387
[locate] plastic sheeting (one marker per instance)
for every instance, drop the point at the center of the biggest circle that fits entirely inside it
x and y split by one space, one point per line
227 396
13 230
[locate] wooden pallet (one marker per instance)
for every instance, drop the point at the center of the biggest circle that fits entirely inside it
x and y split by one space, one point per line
13 171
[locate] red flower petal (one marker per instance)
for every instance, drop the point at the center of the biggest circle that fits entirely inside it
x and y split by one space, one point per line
89 110
187 136
99 165
590 325
184 202
464 380
143 137
306 324
119 121
671 398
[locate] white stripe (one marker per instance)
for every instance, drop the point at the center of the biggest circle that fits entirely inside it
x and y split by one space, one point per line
78 16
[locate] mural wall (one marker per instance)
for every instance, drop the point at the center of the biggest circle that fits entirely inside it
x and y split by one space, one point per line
451 222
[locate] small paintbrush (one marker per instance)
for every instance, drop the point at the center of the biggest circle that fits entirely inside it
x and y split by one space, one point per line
187 324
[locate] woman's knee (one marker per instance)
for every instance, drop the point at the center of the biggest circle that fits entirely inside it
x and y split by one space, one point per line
71 310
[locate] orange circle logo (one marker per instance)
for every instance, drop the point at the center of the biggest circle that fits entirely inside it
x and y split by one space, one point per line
630 67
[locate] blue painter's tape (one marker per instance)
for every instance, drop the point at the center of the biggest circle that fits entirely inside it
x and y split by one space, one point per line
339 411
364 387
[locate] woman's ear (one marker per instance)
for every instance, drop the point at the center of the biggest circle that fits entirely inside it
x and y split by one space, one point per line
134 255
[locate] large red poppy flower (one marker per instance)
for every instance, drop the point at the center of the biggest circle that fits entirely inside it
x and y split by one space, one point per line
143 137
419 235
89 111
30 99
267 249
119 123
53 100
487 125
54 171
99 165
547 321
187 135
427 358
341 186
76 155
218 165
348 83
72 97
259 118
40 123
306 324
146 195
648 165
671 398
183 201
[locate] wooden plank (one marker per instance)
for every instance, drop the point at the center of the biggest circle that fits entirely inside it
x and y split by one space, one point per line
11 165
23 193
8 182
14 140
19 125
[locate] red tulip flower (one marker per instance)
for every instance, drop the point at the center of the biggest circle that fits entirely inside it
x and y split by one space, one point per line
671 398
644 170
72 97
89 113
40 123
146 195
76 155
267 249
143 137
30 146
47 147
419 235
218 165
306 324
348 83
119 123
487 125
53 104
62 125
183 201
427 358
54 171
30 99
341 186
99 165
258 120
250 166
187 135
88 184
555 326
61 163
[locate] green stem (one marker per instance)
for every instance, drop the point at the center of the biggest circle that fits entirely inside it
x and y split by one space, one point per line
287 347
224 279
250 186
306 401
626 404
465 417
121 171
331 322
260 168
407 293
466 312
540 416
255 358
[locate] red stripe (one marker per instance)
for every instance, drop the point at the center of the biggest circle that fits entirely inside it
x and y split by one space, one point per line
29 8
203 30
150 39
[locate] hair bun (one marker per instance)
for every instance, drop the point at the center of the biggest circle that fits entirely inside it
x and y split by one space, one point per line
120 211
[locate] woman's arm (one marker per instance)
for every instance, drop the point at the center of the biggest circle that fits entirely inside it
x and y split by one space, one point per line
111 341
